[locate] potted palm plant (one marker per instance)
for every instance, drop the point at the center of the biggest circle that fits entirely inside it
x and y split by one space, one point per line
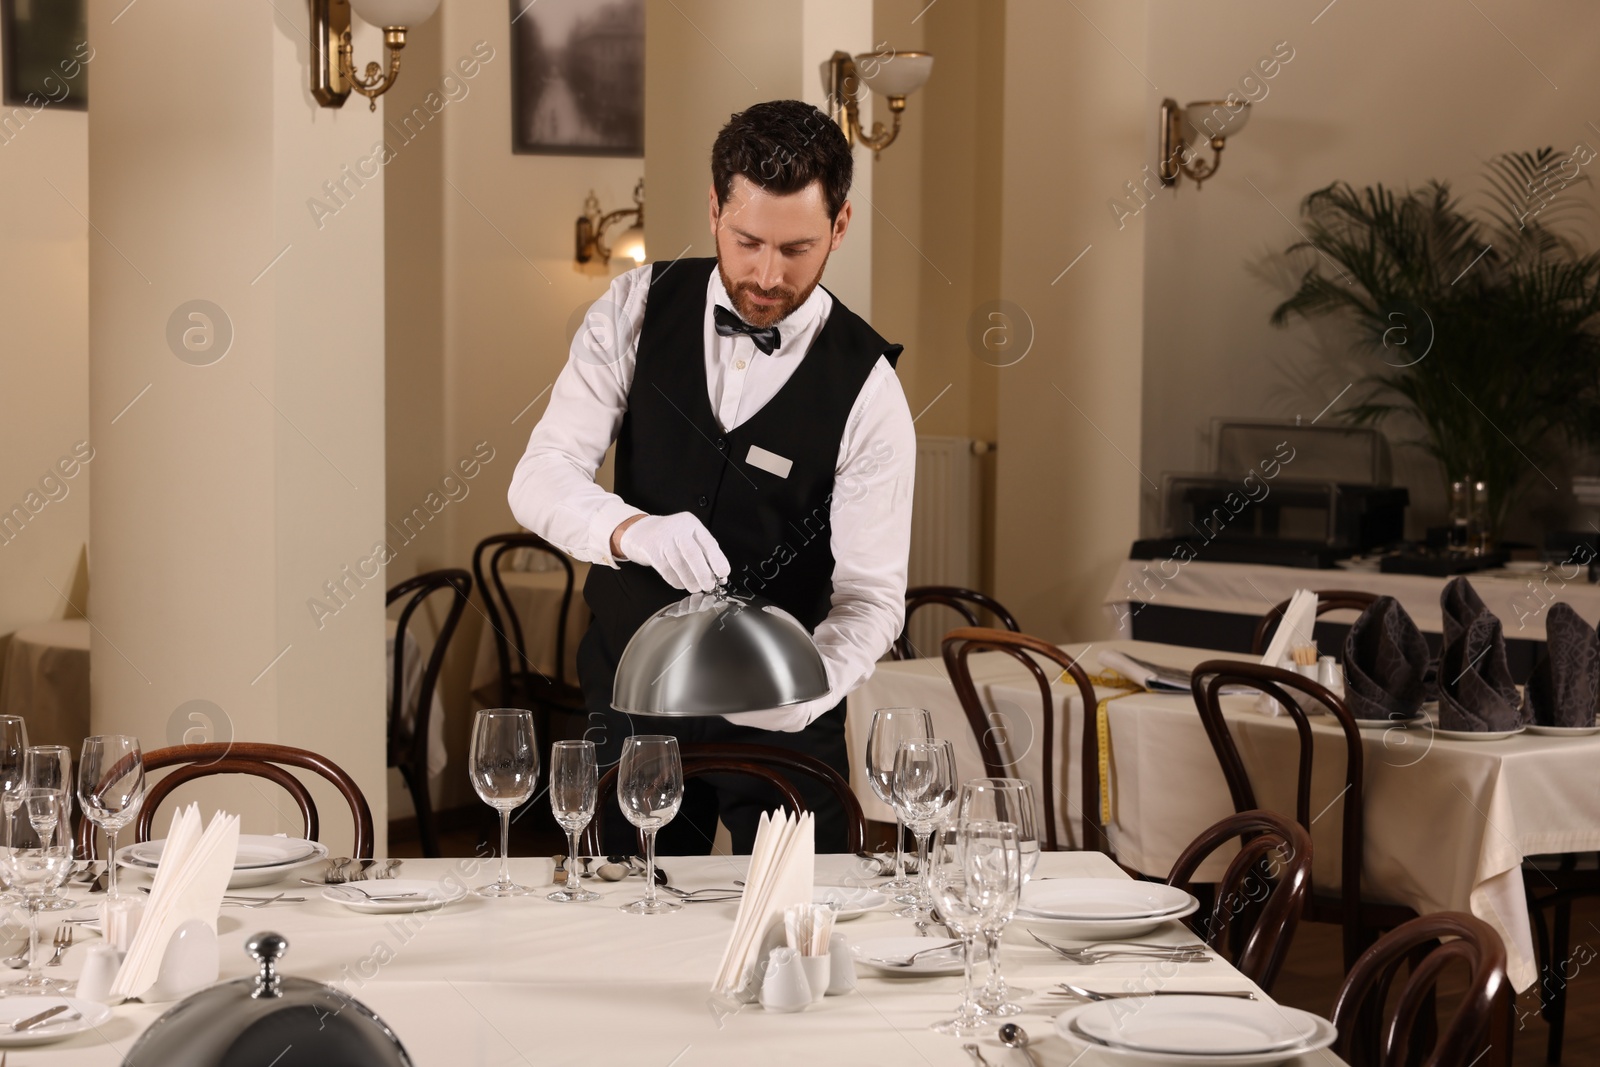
1486 323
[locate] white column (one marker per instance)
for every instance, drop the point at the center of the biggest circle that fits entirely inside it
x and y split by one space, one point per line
236 393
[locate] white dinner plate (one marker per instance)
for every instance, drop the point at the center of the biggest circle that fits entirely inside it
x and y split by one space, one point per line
1417 719
1093 929
1476 735
1209 1026
15 1009
1525 566
1099 898
849 902
946 961
1563 731
245 877
1068 1026
430 894
255 850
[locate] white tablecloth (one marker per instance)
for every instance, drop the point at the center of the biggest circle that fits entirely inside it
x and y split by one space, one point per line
527 981
47 682
1518 600
536 597
1448 822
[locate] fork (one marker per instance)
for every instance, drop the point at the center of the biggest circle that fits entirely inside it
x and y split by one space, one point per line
907 961
1088 956
702 895
63 941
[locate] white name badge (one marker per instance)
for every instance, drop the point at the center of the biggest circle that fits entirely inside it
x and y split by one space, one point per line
770 462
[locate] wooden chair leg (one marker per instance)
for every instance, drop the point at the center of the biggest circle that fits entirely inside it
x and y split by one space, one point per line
1553 983
417 783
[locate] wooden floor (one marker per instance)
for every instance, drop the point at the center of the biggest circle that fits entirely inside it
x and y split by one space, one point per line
1310 978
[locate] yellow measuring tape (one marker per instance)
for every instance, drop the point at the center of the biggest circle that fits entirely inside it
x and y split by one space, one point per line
1107 679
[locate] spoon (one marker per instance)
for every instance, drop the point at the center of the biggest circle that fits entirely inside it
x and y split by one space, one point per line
612 872
1015 1037
969 1048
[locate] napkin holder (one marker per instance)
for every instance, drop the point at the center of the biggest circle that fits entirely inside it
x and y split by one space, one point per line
190 964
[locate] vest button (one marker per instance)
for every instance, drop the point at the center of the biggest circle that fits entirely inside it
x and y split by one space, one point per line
702 501
722 444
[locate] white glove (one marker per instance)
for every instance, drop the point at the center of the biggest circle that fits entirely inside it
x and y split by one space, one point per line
790 720
680 548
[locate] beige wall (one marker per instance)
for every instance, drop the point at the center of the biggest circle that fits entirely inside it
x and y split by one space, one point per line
44 362
1397 93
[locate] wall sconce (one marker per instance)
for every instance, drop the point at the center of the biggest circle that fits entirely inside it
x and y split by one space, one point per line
1216 120
333 72
891 74
592 226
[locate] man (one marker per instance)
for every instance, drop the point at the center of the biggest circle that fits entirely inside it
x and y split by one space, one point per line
762 438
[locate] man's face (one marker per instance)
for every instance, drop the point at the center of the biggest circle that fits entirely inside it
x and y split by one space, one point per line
771 248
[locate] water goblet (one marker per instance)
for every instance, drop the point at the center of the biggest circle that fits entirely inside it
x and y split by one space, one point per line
971 883
504 764
650 791
111 787
1007 800
34 862
924 795
890 726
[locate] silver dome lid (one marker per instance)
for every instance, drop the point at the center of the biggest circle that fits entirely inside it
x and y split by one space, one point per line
252 1020
716 654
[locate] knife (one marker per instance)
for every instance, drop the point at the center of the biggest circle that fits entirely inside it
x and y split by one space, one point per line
560 875
34 1020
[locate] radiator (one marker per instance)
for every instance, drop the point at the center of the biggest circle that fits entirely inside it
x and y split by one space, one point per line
945 516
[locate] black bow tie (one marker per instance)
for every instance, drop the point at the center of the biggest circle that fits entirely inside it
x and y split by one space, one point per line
728 324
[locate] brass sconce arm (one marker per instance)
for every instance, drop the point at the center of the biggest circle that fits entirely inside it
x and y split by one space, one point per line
592 225
845 80
376 82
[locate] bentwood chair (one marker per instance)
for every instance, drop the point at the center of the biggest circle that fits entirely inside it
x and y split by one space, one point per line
992 732
968 603
1360 917
408 727
1327 600
1265 885
190 762
1554 887
522 684
1379 1027
760 761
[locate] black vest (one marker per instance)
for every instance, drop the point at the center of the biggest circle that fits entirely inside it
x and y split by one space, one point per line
672 455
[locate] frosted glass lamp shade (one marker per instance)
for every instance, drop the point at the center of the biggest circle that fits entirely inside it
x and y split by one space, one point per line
1216 118
894 73
385 13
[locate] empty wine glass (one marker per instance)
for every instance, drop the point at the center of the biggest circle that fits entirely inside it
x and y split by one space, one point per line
504 764
34 863
13 747
1006 800
574 777
924 794
890 726
650 790
971 884
110 790
49 767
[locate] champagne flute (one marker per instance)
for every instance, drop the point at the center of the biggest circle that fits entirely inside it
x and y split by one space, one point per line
35 862
111 789
1006 800
890 726
13 746
924 794
504 764
972 884
650 790
574 781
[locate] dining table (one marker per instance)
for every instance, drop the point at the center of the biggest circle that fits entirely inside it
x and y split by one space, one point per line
1448 822
524 980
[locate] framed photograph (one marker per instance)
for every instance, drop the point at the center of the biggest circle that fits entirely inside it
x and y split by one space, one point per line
577 77
46 53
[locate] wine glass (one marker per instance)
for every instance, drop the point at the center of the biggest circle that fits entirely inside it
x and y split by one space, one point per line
924 794
504 764
1007 800
13 746
972 884
650 790
574 778
49 767
111 789
890 726
34 863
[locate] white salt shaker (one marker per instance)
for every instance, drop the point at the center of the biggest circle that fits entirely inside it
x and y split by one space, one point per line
784 986
100 966
841 967
1330 675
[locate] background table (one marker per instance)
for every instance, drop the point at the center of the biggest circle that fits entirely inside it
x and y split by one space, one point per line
1447 822
527 981
536 598
47 682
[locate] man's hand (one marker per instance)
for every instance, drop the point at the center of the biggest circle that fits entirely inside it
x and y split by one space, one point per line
679 547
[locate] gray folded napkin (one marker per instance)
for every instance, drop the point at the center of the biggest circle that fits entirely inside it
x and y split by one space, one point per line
1476 693
1565 687
1385 662
1459 604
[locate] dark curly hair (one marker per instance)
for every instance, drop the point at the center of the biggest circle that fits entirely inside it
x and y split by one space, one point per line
783 146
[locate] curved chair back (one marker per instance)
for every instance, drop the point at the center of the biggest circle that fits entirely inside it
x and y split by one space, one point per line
1269 878
968 603
408 738
190 762
958 647
1327 600
1377 1028
767 762
511 646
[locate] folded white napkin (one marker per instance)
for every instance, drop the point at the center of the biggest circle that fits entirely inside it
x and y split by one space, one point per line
190 881
1299 618
782 871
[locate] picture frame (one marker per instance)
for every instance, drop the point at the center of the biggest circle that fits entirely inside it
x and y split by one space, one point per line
45 50
577 78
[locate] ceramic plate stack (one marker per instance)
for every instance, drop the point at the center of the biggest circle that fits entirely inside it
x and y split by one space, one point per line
1100 908
1201 1031
261 860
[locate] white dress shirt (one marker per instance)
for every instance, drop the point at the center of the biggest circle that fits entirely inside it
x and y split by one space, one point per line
553 492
